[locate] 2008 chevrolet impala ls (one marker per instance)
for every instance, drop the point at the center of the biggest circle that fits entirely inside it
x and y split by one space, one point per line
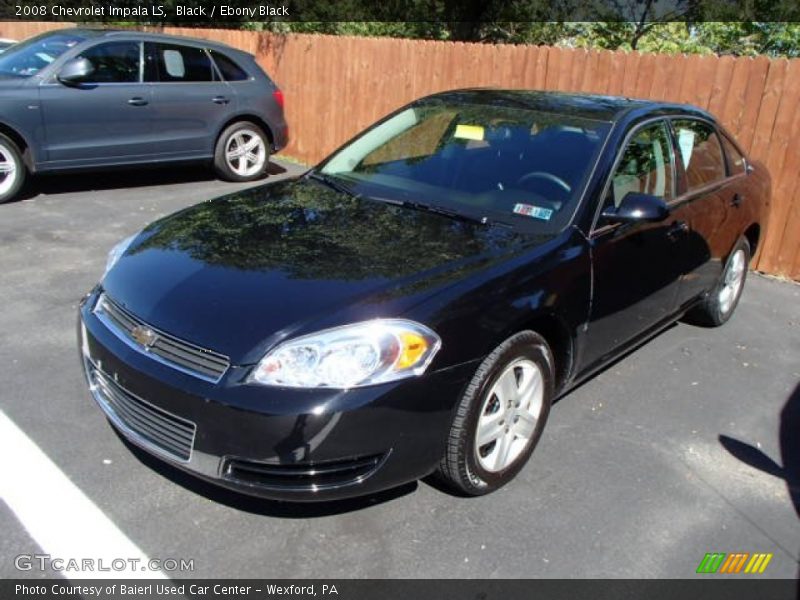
414 304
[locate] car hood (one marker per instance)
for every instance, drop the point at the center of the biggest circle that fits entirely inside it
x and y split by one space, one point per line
241 272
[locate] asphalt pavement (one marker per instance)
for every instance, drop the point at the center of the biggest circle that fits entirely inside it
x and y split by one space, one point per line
686 446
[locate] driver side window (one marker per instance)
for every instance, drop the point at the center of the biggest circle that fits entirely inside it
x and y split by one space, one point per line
646 166
114 62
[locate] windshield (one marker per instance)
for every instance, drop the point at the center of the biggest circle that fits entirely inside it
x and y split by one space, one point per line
508 164
29 57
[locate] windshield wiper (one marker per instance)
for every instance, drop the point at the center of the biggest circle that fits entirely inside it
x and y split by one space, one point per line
333 183
445 212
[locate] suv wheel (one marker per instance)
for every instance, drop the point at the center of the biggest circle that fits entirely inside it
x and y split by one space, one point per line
12 169
242 152
500 417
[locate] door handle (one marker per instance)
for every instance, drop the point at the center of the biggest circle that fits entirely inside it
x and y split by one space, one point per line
137 101
737 200
220 100
677 229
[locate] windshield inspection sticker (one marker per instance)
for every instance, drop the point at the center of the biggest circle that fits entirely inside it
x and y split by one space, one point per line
469 132
537 212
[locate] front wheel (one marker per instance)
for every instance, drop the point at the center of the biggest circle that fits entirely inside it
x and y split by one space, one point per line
500 417
720 303
12 169
242 152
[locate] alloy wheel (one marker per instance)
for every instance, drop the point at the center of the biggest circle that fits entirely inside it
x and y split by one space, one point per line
732 281
509 415
8 169
245 152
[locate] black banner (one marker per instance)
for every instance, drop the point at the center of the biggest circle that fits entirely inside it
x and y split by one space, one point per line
231 12
711 588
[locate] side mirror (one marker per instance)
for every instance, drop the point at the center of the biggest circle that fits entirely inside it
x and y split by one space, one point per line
637 207
75 71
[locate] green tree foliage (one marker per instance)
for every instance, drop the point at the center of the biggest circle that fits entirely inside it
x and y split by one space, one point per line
670 26
737 38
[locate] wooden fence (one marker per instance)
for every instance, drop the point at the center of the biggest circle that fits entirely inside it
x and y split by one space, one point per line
335 86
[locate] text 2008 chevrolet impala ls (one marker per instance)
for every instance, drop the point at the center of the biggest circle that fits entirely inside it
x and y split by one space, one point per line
416 302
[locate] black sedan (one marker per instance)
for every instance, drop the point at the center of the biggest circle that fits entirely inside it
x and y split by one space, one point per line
414 304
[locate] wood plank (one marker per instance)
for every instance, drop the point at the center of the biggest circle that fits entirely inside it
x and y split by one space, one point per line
542 58
676 66
553 66
704 83
580 66
591 73
733 104
751 102
785 223
782 147
644 79
616 76
721 85
565 70
688 79
658 88
603 82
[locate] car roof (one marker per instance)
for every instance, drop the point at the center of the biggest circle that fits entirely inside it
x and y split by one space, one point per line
145 35
588 106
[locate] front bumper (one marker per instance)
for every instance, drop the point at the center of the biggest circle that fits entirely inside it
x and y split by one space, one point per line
278 443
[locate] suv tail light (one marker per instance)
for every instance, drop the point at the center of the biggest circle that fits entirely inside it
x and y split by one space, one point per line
278 95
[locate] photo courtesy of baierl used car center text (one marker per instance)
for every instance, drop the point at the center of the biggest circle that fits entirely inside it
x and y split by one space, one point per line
351 300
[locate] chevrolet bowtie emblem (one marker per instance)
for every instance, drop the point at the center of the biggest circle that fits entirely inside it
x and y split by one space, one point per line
144 336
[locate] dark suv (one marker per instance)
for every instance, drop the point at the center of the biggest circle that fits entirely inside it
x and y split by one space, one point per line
84 99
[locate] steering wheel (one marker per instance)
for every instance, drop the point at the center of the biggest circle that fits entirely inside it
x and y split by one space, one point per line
548 177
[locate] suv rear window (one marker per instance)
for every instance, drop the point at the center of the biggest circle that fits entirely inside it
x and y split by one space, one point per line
229 69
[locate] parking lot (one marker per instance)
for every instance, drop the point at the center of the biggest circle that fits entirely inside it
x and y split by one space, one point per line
681 448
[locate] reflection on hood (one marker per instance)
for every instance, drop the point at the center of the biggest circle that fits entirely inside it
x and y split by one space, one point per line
307 231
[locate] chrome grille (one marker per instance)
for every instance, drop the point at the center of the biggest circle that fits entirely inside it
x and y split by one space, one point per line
156 428
182 355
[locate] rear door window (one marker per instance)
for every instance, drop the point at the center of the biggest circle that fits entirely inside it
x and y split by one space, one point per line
176 63
736 162
701 153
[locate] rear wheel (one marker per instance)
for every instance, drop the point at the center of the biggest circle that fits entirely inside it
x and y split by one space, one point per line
720 303
242 152
500 417
12 169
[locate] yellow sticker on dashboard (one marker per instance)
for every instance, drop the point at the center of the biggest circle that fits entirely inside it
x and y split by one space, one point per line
469 132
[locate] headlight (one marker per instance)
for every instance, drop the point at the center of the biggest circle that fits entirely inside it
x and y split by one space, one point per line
117 251
350 356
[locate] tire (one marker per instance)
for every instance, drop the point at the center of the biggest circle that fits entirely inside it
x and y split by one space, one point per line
241 167
718 306
474 468
12 169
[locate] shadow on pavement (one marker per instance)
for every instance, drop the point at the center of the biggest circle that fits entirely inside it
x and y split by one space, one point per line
262 506
62 183
789 439
789 471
